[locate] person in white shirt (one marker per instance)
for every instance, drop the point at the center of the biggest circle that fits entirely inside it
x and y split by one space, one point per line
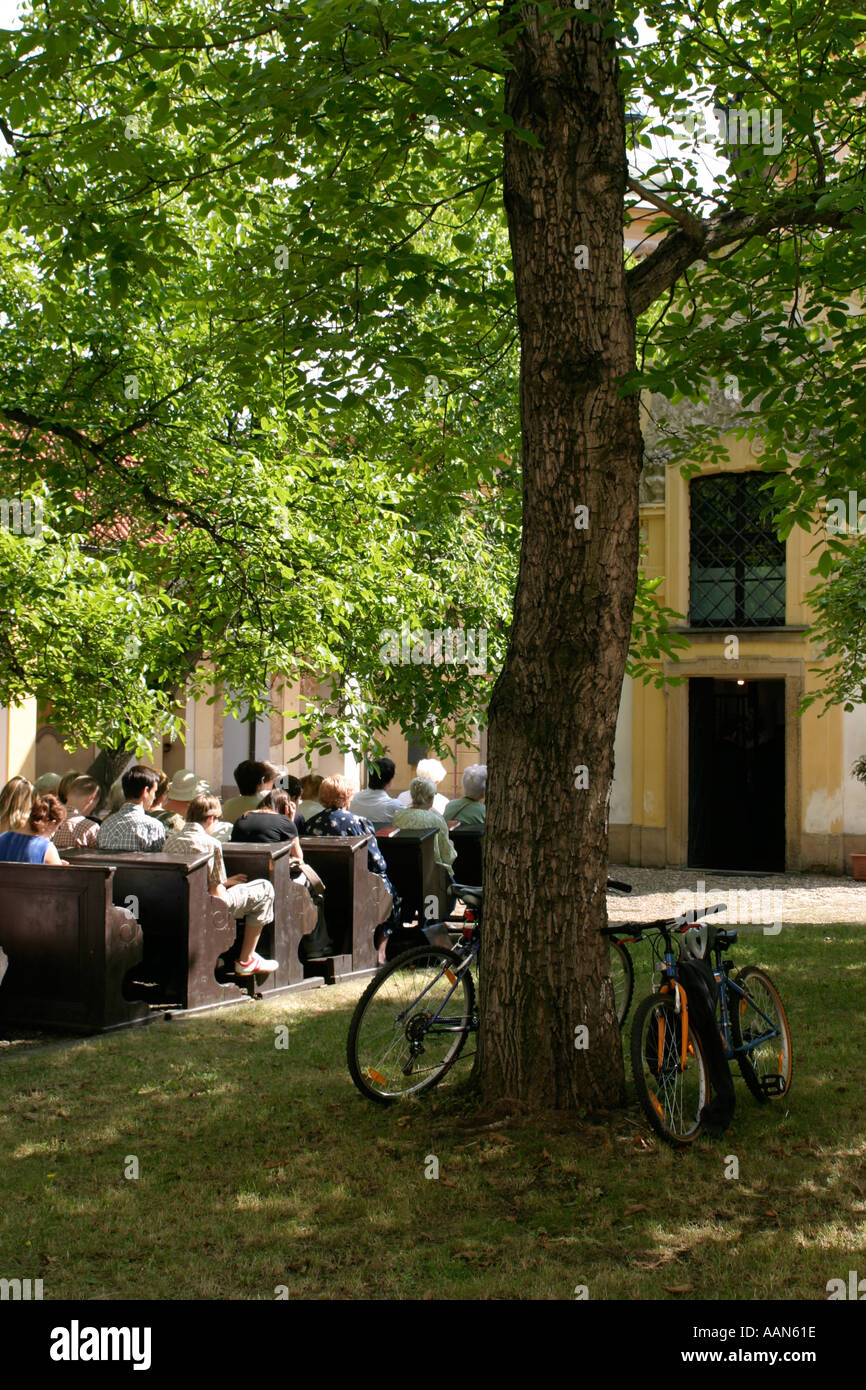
375 803
433 771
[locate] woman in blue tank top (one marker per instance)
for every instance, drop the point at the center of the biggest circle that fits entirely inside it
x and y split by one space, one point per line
32 844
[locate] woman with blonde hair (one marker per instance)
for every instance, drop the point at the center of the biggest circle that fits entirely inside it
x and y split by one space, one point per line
32 844
16 798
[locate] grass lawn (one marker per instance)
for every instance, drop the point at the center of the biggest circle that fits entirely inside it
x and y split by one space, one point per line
262 1167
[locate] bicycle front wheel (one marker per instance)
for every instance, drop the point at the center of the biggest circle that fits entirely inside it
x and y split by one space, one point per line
672 1089
761 1036
410 1024
622 979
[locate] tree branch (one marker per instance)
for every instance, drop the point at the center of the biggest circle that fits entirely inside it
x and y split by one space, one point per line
664 266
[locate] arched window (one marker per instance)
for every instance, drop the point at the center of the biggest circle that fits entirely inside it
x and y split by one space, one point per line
737 562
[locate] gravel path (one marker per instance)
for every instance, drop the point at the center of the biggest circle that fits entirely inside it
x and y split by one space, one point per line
773 899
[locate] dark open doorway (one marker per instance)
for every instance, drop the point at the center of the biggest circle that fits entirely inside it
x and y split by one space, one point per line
737 774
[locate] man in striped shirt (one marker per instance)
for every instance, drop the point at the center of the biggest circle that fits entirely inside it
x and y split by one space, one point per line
131 828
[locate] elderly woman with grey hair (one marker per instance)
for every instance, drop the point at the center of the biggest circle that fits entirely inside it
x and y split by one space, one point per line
421 816
469 809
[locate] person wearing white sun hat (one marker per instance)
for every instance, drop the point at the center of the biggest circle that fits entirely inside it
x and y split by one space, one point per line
183 789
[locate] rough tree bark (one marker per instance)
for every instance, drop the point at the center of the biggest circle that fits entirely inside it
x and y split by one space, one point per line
107 767
554 707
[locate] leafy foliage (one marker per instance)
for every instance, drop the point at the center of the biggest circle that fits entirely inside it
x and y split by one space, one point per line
258 340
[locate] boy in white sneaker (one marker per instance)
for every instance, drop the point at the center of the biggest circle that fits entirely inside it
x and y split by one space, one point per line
254 902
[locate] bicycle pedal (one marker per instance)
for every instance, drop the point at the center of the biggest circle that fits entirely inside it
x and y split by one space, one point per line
772 1085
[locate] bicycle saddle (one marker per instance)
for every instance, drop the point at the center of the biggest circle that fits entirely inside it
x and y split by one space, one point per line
470 894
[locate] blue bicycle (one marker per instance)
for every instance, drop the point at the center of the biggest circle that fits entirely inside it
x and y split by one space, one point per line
668 1055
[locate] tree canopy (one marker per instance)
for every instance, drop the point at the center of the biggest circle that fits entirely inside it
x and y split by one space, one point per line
258 361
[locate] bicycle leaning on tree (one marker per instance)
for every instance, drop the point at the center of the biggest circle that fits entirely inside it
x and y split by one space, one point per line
413 1021
669 1056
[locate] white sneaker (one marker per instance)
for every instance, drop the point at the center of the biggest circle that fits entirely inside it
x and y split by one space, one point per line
256 965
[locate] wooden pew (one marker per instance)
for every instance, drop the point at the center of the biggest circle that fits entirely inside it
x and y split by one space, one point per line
185 930
468 840
294 910
420 882
356 901
67 959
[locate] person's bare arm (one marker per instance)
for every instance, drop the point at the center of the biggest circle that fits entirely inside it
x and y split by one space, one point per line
52 857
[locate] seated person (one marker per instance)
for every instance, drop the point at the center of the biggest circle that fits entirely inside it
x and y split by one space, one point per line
310 805
32 843
163 812
267 823
78 831
16 798
421 816
375 803
48 782
469 809
66 782
173 798
434 772
335 793
252 902
131 828
290 785
253 780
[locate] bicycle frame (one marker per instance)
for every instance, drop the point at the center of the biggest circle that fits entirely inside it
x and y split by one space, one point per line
725 1029
468 953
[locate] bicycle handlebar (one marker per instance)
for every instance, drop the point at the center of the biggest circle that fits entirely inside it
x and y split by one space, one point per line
619 887
636 930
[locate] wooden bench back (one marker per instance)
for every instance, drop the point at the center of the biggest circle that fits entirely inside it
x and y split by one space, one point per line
67 960
356 899
294 911
420 882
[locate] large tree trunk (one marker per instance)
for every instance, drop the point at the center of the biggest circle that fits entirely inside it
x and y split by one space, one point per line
107 767
554 707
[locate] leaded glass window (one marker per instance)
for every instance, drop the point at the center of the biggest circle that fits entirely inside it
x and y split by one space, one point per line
737 562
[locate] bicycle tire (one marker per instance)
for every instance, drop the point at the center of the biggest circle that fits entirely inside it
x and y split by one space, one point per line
622 979
386 1026
769 1068
671 1098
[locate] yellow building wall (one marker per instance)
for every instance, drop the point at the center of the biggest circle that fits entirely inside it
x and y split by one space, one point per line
815 769
18 750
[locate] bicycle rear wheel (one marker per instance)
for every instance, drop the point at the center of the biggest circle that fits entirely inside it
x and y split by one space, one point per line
672 1093
622 979
410 1025
759 1019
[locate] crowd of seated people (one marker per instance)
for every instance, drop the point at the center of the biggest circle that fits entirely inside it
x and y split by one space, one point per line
150 813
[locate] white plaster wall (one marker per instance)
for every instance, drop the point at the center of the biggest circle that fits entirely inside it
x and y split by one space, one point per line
853 792
623 752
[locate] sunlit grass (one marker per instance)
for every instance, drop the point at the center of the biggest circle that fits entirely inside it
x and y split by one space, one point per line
262 1168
